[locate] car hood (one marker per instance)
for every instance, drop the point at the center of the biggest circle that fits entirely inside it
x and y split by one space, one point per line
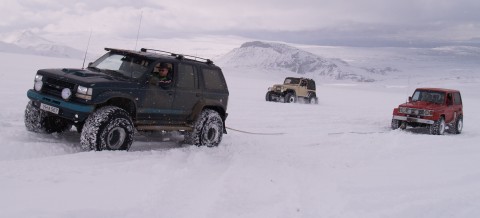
284 85
422 105
81 76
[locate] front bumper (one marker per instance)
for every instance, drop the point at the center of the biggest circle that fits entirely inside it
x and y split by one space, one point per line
277 96
413 119
68 110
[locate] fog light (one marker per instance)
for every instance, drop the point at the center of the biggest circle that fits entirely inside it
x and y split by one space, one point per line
66 93
38 85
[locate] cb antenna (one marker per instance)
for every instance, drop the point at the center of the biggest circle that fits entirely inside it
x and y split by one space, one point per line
86 50
138 31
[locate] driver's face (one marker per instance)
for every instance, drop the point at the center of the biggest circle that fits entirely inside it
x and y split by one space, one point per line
163 71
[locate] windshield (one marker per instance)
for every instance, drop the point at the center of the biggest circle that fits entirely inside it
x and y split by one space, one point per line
123 65
291 81
429 96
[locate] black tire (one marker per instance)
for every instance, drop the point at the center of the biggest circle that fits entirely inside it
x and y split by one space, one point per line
458 125
438 127
268 96
207 130
108 128
396 124
312 98
37 120
290 98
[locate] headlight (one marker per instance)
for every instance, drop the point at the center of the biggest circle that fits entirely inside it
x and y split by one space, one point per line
84 93
402 110
38 78
38 84
428 112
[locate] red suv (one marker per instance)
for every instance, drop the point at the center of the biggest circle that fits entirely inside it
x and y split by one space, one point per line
434 108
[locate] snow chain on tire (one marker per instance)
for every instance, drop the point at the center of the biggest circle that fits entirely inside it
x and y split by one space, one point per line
108 128
37 120
207 129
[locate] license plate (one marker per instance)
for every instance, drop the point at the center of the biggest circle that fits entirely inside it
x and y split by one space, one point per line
49 108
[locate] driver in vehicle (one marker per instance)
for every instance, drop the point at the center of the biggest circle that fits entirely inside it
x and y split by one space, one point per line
161 76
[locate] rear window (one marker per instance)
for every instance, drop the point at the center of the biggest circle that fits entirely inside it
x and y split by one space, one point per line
457 99
213 79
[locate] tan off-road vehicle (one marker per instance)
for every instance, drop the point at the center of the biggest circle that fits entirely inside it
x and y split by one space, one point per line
292 90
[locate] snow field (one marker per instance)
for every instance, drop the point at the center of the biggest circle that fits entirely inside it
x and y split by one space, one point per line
335 159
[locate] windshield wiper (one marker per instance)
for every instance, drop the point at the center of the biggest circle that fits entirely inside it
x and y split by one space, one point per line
115 73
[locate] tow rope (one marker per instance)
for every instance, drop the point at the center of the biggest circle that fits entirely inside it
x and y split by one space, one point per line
255 133
360 133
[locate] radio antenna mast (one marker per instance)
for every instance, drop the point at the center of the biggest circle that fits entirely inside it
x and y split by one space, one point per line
138 31
86 50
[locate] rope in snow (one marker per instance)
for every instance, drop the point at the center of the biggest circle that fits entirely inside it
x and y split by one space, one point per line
254 133
361 133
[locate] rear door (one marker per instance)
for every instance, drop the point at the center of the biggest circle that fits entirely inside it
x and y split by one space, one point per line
450 110
457 104
187 93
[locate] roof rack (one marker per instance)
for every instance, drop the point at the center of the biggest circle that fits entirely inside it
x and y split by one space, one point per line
178 56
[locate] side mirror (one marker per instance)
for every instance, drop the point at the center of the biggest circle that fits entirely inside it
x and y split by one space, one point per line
410 99
90 64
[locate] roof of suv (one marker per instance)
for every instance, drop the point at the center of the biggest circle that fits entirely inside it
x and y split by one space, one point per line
438 89
298 78
161 54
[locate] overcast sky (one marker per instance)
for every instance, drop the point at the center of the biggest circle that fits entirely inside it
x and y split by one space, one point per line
323 22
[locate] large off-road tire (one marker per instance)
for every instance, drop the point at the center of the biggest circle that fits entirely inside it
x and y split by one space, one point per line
457 126
396 124
268 96
207 130
438 127
108 128
37 120
312 99
290 98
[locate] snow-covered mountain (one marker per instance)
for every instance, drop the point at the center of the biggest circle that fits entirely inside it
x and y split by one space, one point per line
31 43
284 58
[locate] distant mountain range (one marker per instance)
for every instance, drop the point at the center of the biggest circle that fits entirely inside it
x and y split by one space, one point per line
27 42
284 58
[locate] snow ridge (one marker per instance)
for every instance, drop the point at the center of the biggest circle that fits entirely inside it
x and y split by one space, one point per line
27 42
282 57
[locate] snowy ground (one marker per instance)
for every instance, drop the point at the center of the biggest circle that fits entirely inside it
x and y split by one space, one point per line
335 159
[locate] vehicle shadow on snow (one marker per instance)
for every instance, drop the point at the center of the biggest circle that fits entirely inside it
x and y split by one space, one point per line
146 141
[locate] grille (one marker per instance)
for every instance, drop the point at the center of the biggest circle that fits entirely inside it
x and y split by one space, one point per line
414 111
54 86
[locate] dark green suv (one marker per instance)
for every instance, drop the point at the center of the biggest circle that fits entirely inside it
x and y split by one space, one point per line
115 95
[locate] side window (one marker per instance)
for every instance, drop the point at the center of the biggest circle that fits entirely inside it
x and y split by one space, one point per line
213 79
311 85
457 99
186 77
